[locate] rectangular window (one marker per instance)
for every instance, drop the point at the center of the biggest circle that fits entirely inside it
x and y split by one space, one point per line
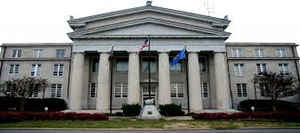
283 68
153 66
262 88
122 66
205 90
261 68
177 90
16 53
56 91
202 64
35 92
238 69
236 52
37 53
121 90
242 90
14 68
259 52
11 89
60 53
95 65
281 52
58 70
36 70
177 67
92 90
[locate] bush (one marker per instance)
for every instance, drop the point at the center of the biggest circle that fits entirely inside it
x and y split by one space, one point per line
266 105
23 116
131 109
33 105
285 116
171 110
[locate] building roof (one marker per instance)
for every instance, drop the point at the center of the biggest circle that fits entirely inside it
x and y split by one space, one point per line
35 44
260 44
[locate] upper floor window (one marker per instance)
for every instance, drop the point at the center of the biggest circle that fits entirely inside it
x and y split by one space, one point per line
122 66
58 70
56 90
121 90
95 65
202 63
92 90
37 53
262 88
177 90
259 52
14 68
205 91
153 66
261 68
60 53
238 69
283 68
281 52
177 67
236 52
36 70
16 53
241 90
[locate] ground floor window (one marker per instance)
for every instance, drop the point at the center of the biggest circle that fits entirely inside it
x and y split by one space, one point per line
56 90
177 90
241 90
205 91
92 90
121 90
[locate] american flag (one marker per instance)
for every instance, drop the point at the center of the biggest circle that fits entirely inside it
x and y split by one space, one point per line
145 44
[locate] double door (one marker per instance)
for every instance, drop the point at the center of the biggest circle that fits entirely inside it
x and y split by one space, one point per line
149 92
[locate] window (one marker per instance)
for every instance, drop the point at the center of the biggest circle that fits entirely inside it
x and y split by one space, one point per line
11 89
16 53
238 69
202 64
37 53
177 67
56 90
262 88
60 53
58 70
204 87
120 90
241 90
36 70
14 68
153 66
177 90
95 65
259 52
92 90
261 68
236 52
35 92
281 52
122 66
283 68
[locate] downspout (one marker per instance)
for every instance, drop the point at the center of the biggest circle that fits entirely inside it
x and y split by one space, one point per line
69 75
296 62
187 83
111 84
2 62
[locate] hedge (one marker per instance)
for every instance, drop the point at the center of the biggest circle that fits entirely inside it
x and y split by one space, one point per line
131 109
266 105
23 116
171 110
285 116
33 105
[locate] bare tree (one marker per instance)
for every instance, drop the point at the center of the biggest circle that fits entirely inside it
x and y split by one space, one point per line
23 88
276 85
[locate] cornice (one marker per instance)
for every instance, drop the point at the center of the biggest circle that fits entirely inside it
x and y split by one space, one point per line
35 59
263 58
246 44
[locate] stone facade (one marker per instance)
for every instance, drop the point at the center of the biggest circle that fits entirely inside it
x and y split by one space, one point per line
103 67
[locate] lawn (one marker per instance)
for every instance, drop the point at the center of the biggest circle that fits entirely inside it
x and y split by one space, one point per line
143 124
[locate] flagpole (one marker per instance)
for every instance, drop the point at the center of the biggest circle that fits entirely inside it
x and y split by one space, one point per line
187 80
149 69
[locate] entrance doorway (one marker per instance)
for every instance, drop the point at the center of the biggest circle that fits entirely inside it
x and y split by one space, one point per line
149 93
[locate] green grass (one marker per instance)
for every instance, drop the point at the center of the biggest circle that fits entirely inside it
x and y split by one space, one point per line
139 124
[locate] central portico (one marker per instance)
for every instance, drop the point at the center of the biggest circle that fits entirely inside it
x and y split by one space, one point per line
108 70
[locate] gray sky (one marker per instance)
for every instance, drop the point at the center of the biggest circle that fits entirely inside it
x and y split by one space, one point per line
252 20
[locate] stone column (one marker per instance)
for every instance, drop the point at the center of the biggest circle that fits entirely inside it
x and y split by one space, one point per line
103 91
76 81
164 88
133 79
195 94
223 99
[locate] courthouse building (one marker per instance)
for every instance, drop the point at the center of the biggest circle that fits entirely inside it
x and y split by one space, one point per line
102 68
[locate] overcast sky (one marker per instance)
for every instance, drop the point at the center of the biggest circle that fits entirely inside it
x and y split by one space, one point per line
252 20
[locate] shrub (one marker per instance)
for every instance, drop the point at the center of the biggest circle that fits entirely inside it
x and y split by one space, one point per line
33 105
23 116
266 105
171 110
131 109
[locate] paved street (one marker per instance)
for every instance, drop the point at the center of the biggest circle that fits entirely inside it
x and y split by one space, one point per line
178 131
